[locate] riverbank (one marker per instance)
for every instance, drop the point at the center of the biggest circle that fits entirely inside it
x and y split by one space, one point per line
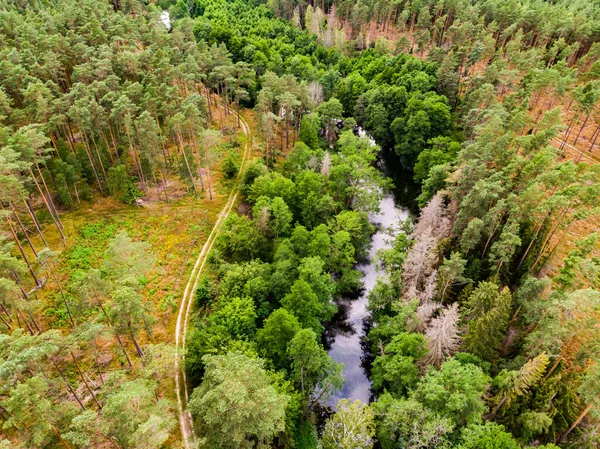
344 336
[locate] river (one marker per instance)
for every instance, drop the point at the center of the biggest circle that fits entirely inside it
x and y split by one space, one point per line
344 336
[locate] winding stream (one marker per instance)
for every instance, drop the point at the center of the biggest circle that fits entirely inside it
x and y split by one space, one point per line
345 334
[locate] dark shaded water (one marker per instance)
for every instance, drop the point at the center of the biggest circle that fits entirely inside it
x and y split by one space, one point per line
345 333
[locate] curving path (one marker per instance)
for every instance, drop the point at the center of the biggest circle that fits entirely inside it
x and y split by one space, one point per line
185 419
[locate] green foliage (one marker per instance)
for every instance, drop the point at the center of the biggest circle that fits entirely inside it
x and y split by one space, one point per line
426 116
351 427
100 94
240 239
488 311
250 279
573 263
347 91
231 165
203 293
455 391
309 132
254 169
314 372
513 384
407 423
487 436
133 414
272 340
395 371
122 186
534 424
240 385
442 151
237 316
305 305
306 436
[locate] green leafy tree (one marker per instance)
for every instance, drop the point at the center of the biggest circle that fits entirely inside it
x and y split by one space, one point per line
237 316
279 329
305 305
31 407
315 373
443 150
309 132
247 279
351 427
348 89
240 239
128 312
239 385
487 436
231 165
513 384
127 259
455 391
310 296
121 185
406 423
331 111
395 370
132 413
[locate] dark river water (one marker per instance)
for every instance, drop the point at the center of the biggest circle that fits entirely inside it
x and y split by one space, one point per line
345 334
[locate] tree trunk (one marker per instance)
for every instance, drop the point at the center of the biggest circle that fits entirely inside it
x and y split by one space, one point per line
50 200
103 134
23 229
116 335
89 155
67 383
209 186
135 343
556 244
34 322
5 322
188 165
6 311
209 103
99 156
581 129
64 298
568 132
578 420
114 141
594 138
47 204
68 138
162 143
85 382
533 239
16 239
19 311
35 221
137 163
197 154
561 215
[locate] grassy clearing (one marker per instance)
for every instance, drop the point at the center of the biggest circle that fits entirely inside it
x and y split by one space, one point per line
175 231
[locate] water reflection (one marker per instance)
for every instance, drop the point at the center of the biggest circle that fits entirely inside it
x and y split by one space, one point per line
344 336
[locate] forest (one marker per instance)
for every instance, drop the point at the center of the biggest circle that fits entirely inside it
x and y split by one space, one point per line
217 215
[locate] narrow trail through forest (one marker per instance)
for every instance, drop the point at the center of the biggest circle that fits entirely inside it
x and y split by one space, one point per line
185 419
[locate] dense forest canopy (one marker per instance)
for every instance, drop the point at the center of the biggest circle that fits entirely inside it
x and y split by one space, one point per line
238 144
